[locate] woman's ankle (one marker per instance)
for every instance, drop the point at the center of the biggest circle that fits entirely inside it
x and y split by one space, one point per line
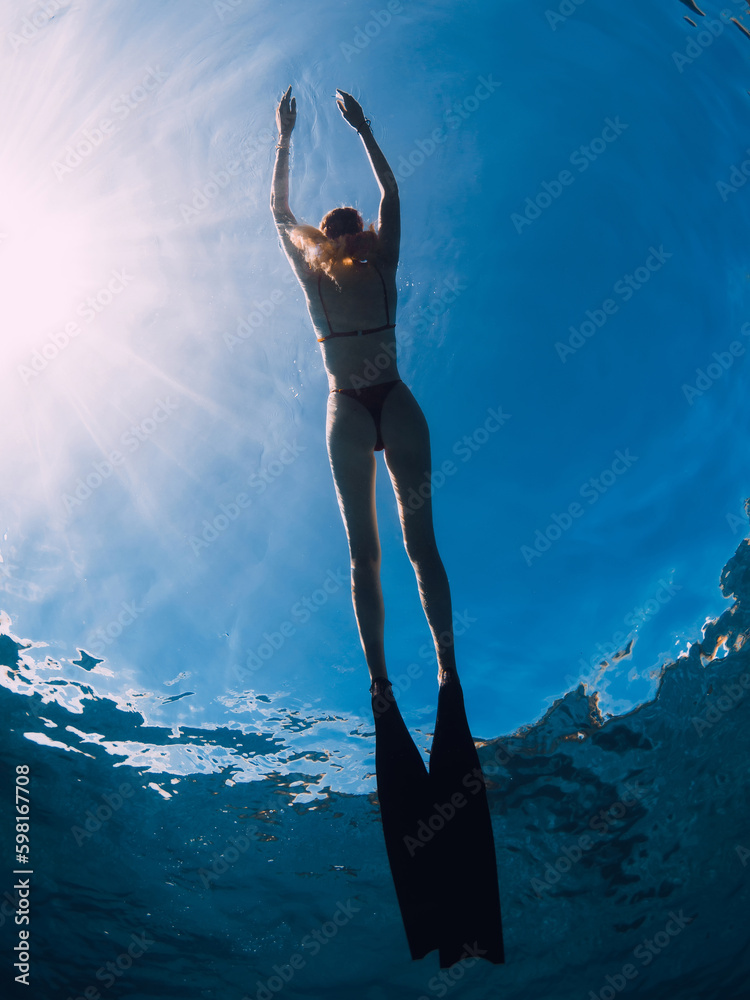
447 674
379 686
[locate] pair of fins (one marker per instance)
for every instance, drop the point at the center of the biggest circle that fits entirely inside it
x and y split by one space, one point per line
438 832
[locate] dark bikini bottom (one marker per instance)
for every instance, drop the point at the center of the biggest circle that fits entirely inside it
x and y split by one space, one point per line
372 398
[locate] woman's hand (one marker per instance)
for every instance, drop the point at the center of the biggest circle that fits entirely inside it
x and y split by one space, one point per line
286 115
351 110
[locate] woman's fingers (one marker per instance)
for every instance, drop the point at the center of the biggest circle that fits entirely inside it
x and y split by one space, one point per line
285 104
286 113
350 108
287 109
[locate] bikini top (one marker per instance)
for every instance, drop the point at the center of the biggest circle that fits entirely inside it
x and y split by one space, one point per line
356 333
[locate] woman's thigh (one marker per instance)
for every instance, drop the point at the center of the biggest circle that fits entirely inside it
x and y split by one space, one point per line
407 454
350 434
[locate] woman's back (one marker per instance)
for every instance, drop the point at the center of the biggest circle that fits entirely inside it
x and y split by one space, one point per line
354 316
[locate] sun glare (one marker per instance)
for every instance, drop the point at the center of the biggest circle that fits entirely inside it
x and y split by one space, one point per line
44 266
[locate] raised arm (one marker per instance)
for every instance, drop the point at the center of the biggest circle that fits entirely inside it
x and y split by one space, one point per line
286 116
389 219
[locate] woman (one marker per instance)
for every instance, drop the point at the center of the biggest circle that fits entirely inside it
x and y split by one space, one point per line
348 276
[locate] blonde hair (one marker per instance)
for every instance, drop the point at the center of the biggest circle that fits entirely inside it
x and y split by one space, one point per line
324 254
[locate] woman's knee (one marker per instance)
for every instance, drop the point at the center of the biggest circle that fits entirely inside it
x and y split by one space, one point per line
423 554
365 561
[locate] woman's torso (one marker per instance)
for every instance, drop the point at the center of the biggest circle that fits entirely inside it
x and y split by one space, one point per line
363 297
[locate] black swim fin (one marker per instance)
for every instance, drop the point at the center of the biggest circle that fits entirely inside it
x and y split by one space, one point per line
438 833
471 923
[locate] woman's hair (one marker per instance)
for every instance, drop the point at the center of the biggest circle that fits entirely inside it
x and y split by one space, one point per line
340 239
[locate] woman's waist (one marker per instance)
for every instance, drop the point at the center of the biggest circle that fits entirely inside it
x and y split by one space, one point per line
353 362
373 371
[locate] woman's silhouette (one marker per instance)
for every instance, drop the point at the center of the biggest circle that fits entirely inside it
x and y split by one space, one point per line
448 900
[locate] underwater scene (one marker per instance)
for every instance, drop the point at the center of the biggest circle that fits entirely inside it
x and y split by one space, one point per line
191 800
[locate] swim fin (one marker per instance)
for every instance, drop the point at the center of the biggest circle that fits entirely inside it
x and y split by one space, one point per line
438 833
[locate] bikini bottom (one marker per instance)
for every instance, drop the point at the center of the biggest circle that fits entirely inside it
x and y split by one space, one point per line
372 398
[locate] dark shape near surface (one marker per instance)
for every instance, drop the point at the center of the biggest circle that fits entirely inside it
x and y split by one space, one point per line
742 28
438 833
694 7
86 660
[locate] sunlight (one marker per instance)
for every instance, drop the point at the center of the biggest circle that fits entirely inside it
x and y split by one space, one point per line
44 268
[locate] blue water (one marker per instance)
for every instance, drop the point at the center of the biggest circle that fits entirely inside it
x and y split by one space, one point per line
174 567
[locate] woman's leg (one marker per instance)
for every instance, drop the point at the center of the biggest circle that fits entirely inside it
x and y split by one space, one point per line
463 851
351 438
402 778
407 455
